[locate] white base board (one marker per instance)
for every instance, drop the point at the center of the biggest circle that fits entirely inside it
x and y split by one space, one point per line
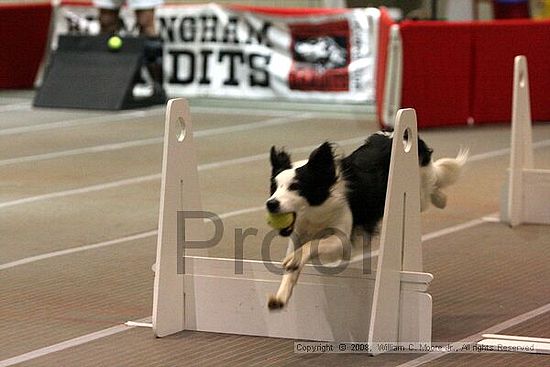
535 199
335 308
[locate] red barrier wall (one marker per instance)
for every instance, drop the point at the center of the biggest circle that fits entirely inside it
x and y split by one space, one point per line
495 46
23 37
455 72
437 68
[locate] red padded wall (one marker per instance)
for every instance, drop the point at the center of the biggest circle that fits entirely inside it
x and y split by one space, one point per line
454 71
437 71
495 46
23 37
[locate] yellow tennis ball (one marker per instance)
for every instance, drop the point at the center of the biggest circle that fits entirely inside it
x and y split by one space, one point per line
280 220
114 43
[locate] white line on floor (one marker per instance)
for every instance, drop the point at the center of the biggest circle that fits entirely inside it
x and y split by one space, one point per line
213 165
13 100
125 116
224 109
116 241
253 125
456 228
67 344
115 118
151 141
505 151
87 150
24 106
346 115
142 179
73 250
478 336
81 190
239 111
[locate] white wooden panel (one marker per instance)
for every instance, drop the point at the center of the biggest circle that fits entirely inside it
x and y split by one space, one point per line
400 242
179 190
521 140
536 196
526 194
328 308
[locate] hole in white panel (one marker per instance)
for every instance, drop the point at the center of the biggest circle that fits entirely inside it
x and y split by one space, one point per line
522 79
407 142
181 134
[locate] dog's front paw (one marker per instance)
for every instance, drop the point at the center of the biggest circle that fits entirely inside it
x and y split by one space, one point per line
292 261
274 303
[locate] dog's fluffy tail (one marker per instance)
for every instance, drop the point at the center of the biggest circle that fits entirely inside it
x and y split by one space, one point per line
448 170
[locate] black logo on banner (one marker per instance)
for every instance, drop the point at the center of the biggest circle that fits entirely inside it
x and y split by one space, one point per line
321 54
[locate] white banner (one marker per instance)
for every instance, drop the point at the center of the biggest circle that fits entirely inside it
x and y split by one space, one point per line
256 53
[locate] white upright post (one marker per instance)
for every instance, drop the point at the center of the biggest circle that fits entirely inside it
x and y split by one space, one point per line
179 191
526 194
400 243
521 141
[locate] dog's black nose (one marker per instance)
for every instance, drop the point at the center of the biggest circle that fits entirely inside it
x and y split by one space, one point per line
273 205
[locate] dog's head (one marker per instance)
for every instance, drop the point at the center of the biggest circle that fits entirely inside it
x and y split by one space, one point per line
296 186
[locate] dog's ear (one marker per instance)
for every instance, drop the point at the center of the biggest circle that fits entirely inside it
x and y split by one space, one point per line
321 160
280 160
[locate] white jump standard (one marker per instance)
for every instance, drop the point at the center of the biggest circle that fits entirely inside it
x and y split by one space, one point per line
526 194
391 306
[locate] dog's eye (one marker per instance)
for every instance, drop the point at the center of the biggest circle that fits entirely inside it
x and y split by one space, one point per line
294 186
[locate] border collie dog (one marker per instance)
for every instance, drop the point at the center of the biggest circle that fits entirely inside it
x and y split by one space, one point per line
327 194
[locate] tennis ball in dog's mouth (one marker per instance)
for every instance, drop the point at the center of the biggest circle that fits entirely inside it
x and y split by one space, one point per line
280 220
114 43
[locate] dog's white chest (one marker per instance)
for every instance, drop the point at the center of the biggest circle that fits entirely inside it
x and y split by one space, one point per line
322 224
309 230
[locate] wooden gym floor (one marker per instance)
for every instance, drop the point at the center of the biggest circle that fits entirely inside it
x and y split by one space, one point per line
79 193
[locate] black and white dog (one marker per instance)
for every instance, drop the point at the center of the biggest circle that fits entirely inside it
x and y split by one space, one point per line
344 195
